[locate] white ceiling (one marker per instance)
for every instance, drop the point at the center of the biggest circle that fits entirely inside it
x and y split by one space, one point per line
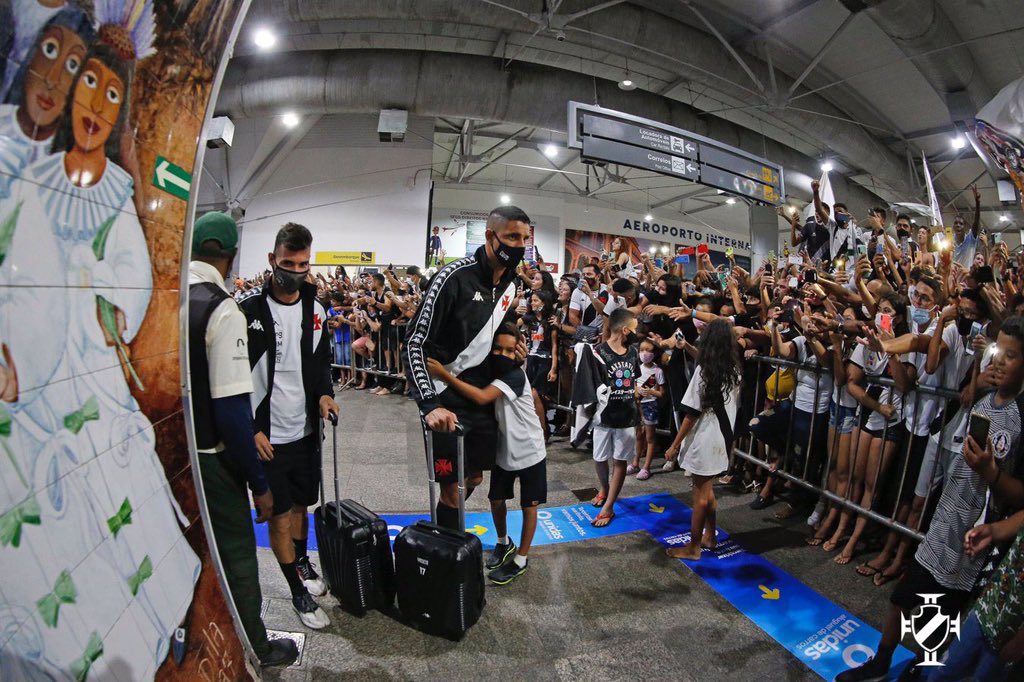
863 72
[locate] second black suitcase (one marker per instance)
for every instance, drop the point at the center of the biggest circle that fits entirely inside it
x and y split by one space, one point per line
355 551
440 572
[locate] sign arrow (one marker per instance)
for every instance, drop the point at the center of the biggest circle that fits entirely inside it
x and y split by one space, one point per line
172 179
769 594
689 147
690 168
477 530
655 508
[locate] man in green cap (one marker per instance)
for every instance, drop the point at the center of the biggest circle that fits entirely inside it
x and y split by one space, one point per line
222 417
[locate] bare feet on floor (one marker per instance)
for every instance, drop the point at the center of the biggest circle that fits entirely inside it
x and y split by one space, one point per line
690 552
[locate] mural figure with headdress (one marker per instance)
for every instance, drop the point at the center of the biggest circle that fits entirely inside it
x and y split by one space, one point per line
110 533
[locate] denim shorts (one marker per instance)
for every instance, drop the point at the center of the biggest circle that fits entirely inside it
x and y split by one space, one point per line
842 418
649 412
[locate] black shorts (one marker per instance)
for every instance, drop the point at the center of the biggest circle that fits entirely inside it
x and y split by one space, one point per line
480 447
918 580
294 474
533 484
894 434
537 369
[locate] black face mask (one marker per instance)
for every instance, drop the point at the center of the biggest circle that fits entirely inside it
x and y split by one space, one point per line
630 339
509 256
963 326
288 281
500 365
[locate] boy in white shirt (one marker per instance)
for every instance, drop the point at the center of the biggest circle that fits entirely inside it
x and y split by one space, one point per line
521 452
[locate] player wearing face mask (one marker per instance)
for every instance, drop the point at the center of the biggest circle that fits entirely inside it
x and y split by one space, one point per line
455 323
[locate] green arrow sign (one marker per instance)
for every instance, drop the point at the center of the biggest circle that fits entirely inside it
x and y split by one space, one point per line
172 179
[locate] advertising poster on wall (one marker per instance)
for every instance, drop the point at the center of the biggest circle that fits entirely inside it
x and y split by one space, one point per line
455 233
582 247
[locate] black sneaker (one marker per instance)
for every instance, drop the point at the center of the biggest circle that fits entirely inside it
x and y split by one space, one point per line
313 582
760 502
500 555
506 573
874 670
282 652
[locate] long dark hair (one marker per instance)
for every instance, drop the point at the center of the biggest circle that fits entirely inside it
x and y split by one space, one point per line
64 140
719 362
549 306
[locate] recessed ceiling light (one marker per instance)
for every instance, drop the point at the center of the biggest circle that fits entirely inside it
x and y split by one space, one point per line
826 166
1004 218
648 217
627 84
550 151
505 199
958 142
264 38
730 201
290 120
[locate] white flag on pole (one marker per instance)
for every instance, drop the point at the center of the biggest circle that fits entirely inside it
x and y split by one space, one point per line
826 195
933 201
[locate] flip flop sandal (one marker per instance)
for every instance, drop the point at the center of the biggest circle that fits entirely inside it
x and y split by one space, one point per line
600 517
598 500
814 542
882 578
866 570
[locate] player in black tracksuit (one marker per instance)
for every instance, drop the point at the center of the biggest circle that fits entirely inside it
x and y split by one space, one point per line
464 305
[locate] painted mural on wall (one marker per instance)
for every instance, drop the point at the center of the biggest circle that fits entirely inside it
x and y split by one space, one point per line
107 572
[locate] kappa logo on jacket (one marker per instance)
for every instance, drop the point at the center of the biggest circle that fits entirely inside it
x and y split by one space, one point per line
257 325
478 297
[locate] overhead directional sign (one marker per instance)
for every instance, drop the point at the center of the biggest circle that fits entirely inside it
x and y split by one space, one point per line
639 135
639 157
610 136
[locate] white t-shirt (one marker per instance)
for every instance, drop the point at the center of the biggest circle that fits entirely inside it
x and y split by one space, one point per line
704 450
650 377
580 301
521 444
876 365
806 381
956 430
288 418
227 351
931 404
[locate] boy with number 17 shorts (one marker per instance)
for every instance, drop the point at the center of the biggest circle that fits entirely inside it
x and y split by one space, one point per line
521 452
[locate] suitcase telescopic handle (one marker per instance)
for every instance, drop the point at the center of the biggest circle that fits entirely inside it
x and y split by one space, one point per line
428 444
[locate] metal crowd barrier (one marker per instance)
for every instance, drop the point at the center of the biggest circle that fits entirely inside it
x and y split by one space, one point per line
784 471
389 367
387 356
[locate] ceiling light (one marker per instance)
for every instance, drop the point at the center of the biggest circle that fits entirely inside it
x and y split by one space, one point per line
1004 218
653 249
505 199
627 84
648 217
958 142
664 249
550 151
826 166
264 39
730 201
290 120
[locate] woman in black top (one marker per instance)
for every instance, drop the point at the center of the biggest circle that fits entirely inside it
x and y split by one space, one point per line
542 356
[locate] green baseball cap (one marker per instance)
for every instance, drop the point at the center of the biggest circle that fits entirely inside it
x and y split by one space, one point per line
218 227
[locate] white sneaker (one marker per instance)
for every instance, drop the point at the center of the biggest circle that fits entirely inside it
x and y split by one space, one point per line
313 582
670 465
310 613
815 518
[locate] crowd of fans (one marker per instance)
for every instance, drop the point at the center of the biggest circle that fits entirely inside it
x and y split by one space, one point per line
900 340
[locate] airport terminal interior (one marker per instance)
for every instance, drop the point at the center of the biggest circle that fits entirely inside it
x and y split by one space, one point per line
511 339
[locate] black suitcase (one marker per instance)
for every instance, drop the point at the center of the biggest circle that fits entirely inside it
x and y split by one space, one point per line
355 550
440 571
